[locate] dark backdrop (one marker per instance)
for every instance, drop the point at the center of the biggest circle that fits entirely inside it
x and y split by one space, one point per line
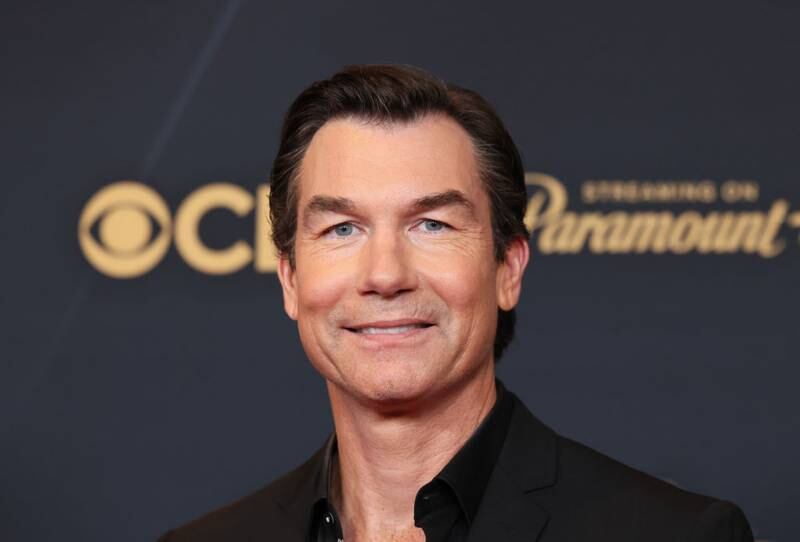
128 406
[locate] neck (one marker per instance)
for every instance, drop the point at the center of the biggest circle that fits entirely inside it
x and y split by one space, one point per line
384 459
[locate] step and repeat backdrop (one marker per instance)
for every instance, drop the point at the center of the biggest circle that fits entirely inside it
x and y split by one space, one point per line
148 370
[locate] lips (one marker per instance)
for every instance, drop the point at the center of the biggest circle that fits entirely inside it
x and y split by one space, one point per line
393 327
389 330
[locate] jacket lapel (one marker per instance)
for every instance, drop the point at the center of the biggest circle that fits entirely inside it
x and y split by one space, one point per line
307 486
527 463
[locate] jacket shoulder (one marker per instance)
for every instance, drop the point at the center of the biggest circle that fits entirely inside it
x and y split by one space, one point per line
603 493
592 474
258 516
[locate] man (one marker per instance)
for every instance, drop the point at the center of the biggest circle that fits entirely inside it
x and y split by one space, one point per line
397 205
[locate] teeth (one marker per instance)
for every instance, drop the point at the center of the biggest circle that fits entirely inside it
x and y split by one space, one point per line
390 330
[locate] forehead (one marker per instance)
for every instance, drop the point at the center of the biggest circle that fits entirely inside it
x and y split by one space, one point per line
355 159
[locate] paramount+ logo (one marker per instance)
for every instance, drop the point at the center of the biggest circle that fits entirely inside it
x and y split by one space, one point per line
126 229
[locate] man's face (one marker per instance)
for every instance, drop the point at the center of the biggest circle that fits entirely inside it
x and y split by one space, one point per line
395 287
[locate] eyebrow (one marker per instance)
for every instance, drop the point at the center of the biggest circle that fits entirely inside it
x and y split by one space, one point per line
320 204
442 199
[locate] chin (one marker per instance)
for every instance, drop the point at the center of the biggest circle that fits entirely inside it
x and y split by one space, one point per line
388 380
394 392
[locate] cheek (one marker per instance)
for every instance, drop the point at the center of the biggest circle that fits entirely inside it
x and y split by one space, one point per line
321 292
320 288
465 284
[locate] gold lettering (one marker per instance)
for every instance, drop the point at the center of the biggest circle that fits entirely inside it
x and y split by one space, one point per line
187 222
621 232
598 227
686 232
650 231
768 246
557 238
586 228
548 202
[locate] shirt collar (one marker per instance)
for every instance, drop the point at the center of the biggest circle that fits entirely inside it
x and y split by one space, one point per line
469 470
321 508
322 479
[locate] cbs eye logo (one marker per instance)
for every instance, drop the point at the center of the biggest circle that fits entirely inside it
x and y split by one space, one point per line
125 212
116 234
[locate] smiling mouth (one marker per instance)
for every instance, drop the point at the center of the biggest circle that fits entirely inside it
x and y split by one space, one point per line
388 330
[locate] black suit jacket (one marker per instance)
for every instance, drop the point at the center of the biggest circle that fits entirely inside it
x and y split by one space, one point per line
544 488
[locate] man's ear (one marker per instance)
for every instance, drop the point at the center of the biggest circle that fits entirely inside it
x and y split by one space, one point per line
510 271
287 277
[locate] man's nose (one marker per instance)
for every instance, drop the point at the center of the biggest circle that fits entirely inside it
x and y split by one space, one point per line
385 266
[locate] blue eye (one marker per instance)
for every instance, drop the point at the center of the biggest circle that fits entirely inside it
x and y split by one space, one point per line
433 225
343 230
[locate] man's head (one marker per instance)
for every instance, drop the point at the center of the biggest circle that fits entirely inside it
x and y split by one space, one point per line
397 197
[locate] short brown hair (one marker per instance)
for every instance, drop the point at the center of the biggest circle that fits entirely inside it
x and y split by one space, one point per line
384 93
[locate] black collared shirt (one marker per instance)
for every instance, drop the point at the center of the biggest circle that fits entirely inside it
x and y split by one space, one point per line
446 506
